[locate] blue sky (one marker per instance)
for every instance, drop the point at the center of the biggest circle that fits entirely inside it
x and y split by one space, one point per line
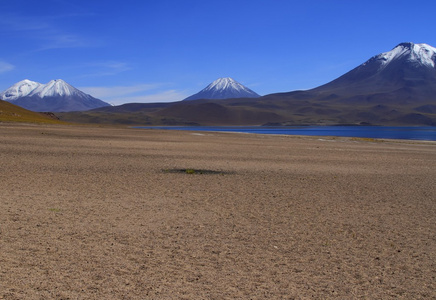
160 51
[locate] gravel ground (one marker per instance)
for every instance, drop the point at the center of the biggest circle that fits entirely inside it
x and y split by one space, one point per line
115 213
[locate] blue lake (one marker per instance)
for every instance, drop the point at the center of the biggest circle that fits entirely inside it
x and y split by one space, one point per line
383 132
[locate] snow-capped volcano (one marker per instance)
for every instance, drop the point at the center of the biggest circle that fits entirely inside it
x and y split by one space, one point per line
408 66
224 88
55 96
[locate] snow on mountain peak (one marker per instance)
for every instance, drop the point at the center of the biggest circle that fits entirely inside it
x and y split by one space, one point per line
224 88
224 84
60 96
20 89
422 54
30 88
56 87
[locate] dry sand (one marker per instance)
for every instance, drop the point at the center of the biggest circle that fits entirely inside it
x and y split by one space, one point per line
99 213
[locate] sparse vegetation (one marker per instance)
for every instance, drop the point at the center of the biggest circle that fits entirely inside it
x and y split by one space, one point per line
361 139
195 171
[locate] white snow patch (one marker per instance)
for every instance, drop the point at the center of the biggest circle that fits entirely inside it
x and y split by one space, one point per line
421 53
20 89
222 84
30 88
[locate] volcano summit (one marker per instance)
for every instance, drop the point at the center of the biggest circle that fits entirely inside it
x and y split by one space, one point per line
224 88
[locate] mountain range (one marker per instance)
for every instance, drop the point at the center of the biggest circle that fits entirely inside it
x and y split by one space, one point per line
55 96
224 88
397 87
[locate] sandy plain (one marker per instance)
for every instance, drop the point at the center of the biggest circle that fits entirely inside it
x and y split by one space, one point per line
106 213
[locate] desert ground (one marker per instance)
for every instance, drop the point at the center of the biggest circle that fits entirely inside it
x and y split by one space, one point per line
115 213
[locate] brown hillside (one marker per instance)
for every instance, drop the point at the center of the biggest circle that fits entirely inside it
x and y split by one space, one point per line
13 113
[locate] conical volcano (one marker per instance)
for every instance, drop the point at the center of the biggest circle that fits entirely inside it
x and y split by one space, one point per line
224 88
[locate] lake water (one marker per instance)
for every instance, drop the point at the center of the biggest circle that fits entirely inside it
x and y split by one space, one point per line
383 132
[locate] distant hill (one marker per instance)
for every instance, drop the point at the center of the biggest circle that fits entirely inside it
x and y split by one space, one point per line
224 88
55 96
13 113
397 87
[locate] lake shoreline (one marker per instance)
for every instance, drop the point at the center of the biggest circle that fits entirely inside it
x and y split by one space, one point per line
379 132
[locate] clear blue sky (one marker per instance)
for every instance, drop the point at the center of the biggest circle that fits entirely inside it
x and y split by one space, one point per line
153 51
